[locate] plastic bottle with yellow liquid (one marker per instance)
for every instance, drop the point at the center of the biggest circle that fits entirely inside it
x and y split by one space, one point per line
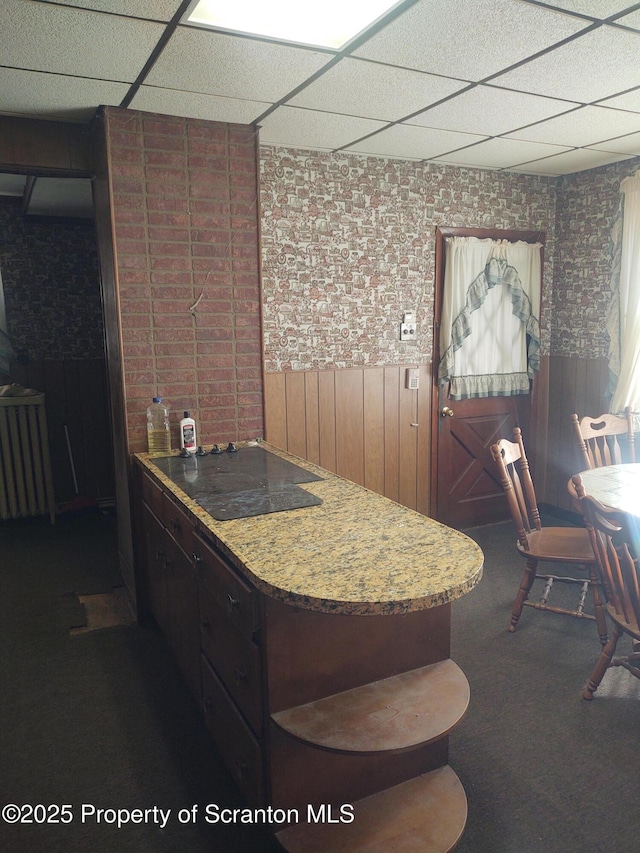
158 429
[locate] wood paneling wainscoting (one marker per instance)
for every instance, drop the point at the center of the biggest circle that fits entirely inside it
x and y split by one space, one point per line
575 385
76 396
360 423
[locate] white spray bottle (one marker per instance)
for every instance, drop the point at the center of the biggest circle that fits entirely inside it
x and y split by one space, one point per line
188 433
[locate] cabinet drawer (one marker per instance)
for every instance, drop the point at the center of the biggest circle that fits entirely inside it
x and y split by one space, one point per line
179 525
235 658
240 749
227 589
152 495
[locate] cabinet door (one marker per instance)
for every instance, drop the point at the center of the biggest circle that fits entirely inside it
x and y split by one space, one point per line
172 595
155 569
239 747
183 624
178 524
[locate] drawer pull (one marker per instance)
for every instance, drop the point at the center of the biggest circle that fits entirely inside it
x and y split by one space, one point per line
205 625
232 602
243 769
175 525
239 675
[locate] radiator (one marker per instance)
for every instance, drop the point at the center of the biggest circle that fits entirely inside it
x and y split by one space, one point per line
26 484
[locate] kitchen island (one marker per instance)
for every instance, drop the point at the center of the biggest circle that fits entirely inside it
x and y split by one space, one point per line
317 642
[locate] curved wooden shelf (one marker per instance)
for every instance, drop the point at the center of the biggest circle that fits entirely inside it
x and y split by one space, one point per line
395 714
427 813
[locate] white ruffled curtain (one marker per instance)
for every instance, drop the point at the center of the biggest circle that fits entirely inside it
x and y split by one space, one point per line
623 324
490 330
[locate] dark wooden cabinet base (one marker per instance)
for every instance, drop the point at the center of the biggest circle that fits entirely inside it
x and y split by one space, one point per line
340 720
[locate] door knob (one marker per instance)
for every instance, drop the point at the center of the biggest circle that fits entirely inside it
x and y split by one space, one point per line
446 412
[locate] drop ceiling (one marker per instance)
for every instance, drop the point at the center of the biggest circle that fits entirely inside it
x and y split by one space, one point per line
518 85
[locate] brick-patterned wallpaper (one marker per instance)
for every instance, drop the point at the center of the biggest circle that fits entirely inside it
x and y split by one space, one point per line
348 245
587 202
186 245
51 283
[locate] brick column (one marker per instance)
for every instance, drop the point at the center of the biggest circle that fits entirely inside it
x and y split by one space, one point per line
186 249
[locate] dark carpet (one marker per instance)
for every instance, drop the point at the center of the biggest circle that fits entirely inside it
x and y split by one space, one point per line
102 718
544 770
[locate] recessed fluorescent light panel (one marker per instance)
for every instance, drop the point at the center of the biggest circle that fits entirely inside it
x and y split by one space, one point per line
330 23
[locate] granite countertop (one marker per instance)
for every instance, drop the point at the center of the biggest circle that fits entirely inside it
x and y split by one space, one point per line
355 553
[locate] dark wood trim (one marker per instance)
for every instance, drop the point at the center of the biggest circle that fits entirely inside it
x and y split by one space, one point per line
47 148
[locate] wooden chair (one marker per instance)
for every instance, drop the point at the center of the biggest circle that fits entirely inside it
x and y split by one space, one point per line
615 539
538 544
599 439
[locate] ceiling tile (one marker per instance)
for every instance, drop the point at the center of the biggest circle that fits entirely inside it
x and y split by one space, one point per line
357 87
628 101
192 105
600 63
154 10
631 20
199 60
629 144
584 126
43 37
499 154
599 9
298 128
54 96
576 160
468 39
491 111
413 143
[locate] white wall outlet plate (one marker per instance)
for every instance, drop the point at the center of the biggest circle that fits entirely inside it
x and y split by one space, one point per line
408 332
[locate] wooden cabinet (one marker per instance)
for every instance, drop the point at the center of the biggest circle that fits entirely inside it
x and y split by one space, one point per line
240 747
318 713
170 581
229 626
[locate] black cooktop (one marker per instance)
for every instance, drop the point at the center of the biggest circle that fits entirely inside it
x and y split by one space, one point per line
249 481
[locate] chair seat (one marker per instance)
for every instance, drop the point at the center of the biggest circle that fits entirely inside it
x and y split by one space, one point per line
559 544
569 548
630 628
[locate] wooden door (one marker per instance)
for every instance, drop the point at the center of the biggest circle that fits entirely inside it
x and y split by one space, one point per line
465 487
469 490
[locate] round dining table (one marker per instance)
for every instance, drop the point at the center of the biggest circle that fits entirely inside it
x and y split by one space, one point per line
616 486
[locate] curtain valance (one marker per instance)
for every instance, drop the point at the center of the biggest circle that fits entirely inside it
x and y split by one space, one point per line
490 328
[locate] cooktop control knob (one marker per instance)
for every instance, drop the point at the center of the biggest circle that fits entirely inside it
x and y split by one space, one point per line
216 449
231 448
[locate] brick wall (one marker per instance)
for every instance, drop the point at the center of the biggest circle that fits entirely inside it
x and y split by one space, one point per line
185 218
